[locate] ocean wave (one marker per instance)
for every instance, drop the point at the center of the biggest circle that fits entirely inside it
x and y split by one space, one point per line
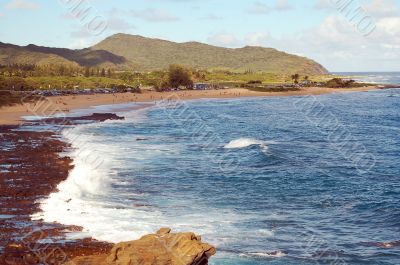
246 142
97 198
273 254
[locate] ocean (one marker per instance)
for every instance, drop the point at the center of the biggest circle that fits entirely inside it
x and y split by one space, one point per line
275 180
374 77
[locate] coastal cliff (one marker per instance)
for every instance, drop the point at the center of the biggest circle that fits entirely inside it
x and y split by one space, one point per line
162 248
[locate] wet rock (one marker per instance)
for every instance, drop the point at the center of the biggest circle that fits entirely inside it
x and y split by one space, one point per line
162 248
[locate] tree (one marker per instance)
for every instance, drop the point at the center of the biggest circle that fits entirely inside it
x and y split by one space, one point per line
103 72
296 77
179 76
87 72
109 72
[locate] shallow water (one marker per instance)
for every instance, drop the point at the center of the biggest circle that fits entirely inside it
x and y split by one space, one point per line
290 180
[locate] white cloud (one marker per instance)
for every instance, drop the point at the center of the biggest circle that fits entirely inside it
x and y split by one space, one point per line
344 55
382 8
334 43
257 39
82 32
21 4
154 15
282 5
224 40
80 44
390 25
83 38
230 40
116 23
259 8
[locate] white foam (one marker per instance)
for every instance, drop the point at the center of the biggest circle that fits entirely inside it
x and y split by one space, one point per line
266 233
104 203
274 254
89 199
246 142
84 198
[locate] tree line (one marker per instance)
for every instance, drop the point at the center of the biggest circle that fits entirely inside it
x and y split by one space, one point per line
33 70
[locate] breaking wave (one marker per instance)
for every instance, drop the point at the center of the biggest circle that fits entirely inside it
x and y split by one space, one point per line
274 254
246 142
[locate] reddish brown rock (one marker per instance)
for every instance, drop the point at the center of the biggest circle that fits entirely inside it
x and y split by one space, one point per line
162 248
31 167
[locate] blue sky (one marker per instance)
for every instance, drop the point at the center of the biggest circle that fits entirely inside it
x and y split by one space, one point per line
343 35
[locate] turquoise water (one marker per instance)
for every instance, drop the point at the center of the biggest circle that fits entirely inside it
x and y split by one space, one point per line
285 180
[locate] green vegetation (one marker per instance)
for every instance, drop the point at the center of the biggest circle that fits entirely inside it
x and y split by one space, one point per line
154 54
295 78
339 83
64 82
8 98
14 83
179 76
344 83
238 78
19 77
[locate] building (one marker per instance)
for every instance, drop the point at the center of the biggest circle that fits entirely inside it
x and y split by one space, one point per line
201 86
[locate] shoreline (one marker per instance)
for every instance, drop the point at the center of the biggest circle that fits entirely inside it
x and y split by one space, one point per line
89 247
25 162
32 166
13 115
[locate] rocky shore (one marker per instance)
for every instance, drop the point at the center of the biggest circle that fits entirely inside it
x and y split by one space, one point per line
31 167
164 248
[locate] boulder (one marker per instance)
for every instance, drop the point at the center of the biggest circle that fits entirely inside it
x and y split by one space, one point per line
162 248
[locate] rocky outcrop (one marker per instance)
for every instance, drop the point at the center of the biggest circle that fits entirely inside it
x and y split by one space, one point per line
162 248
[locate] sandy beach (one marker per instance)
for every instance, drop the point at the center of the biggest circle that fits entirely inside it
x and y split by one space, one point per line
13 115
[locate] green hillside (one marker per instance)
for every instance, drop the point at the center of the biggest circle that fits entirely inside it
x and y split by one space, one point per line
154 54
32 54
13 54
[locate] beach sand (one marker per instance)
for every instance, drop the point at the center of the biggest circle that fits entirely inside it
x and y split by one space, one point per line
13 115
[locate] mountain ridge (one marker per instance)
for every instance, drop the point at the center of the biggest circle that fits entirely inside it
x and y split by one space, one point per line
135 52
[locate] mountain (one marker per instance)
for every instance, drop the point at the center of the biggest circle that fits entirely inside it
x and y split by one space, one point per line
155 54
32 54
145 54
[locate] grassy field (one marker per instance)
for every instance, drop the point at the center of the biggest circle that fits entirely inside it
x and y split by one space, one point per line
63 82
149 79
265 78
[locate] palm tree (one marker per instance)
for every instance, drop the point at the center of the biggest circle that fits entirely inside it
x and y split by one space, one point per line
296 77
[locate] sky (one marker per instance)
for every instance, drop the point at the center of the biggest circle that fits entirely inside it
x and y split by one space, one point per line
342 35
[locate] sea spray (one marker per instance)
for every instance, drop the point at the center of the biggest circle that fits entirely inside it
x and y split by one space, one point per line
246 142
